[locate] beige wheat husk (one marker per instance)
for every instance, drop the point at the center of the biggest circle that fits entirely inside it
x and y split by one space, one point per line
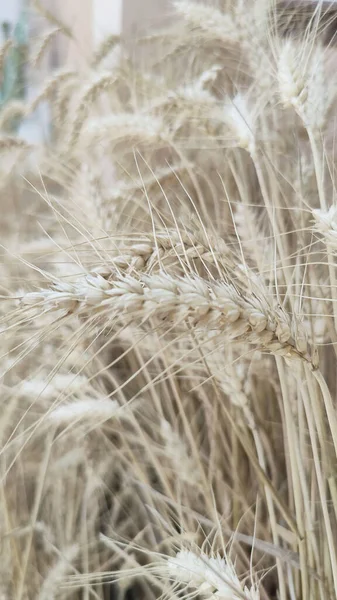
168 317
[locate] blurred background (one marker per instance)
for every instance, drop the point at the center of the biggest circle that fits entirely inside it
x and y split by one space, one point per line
89 21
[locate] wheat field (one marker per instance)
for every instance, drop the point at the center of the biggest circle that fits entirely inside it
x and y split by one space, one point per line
169 315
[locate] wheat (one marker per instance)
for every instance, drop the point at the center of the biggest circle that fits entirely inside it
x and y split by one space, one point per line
49 588
168 276
171 247
96 411
8 142
12 110
104 48
303 84
121 127
88 95
213 576
3 52
238 117
214 306
326 224
207 20
67 382
43 45
51 17
177 452
50 86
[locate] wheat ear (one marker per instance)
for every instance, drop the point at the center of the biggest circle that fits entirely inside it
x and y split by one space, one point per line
165 247
213 576
214 306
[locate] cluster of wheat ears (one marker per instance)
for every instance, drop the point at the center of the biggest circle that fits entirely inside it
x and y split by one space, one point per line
168 316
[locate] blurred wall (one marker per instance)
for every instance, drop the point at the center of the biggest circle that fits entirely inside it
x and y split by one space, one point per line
140 16
107 18
92 20
78 16
9 13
